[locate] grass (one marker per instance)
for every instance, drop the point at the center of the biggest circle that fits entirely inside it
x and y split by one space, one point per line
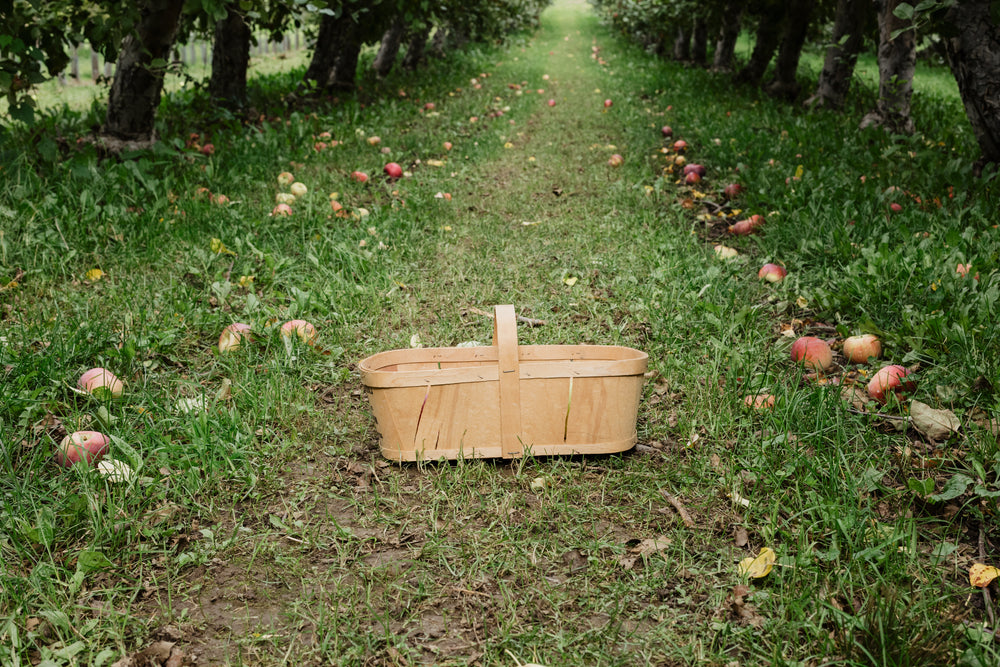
263 527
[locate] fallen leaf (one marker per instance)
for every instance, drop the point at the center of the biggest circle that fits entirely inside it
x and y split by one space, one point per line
95 275
981 575
642 549
741 537
934 424
758 567
570 280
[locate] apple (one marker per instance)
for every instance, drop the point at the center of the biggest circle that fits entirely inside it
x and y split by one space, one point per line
692 177
374 141
305 331
447 145
890 380
220 200
298 189
759 401
429 106
203 193
207 149
725 252
680 145
812 352
284 198
743 228
285 179
859 349
393 170
319 146
552 103
616 160
86 446
359 176
324 136
232 336
101 383
732 191
896 208
607 104
772 273
695 168
667 131
281 209
680 161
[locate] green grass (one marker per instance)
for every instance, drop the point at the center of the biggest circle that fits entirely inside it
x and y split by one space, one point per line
267 529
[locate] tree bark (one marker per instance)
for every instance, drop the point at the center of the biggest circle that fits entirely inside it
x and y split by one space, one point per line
389 47
682 44
334 62
838 67
725 48
230 59
439 41
897 60
699 41
416 48
797 17
973 51
135 93
768 36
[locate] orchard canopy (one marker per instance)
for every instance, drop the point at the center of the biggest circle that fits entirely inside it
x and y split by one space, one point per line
36 37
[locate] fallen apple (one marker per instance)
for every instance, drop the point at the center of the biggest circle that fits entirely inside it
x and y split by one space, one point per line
616 160
759 401
298 189
447 145
772 273
429 106
305 331
858 349
552 103
232 336
692 178
680 161
667 131
393 170
725 252
732 191
207 149
281 209
86 446
221 200
896 208
812 352
890 380
374 141
101 383
694 168
285 179
607 104
680 145
743 228
359 176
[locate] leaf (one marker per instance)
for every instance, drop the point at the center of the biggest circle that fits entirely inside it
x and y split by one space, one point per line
933 424
571 280
94 275
981 575
921 487
758 567
903 11
953 488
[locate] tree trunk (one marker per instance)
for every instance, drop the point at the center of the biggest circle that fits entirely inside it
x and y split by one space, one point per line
415 49
838 67
768 36
230 59
725 48
135 93
389 47
699 42
784 85
334 61
682 44
439 41
346 66
973 51
897 59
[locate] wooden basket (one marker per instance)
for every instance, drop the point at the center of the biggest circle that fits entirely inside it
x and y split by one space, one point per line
504 400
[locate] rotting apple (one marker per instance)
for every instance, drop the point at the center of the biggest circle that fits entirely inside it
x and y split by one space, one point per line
812 352
304 330
359 176
725 252
374 141
102 383
233 335
298 189
680 145
743 228
281 209
616 160
393 170
284 198
890 380
759 401
858 349
772 273
285 179
86 446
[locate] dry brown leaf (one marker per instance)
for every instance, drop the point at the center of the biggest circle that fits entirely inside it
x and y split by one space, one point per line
741 537
933 424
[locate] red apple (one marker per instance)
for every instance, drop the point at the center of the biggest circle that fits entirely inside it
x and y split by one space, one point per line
772 273
359 176
86 446
732 191
743 228
429 106
890 380
101 383
692 178
812 352
667 131
305 331
680 145
207 149
285 179
694 168
232 336
393 170
896 208
607 104
447 145
858 349
221 200
281 209
552 103
616 160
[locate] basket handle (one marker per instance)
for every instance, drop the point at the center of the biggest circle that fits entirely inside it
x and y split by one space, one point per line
505 340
